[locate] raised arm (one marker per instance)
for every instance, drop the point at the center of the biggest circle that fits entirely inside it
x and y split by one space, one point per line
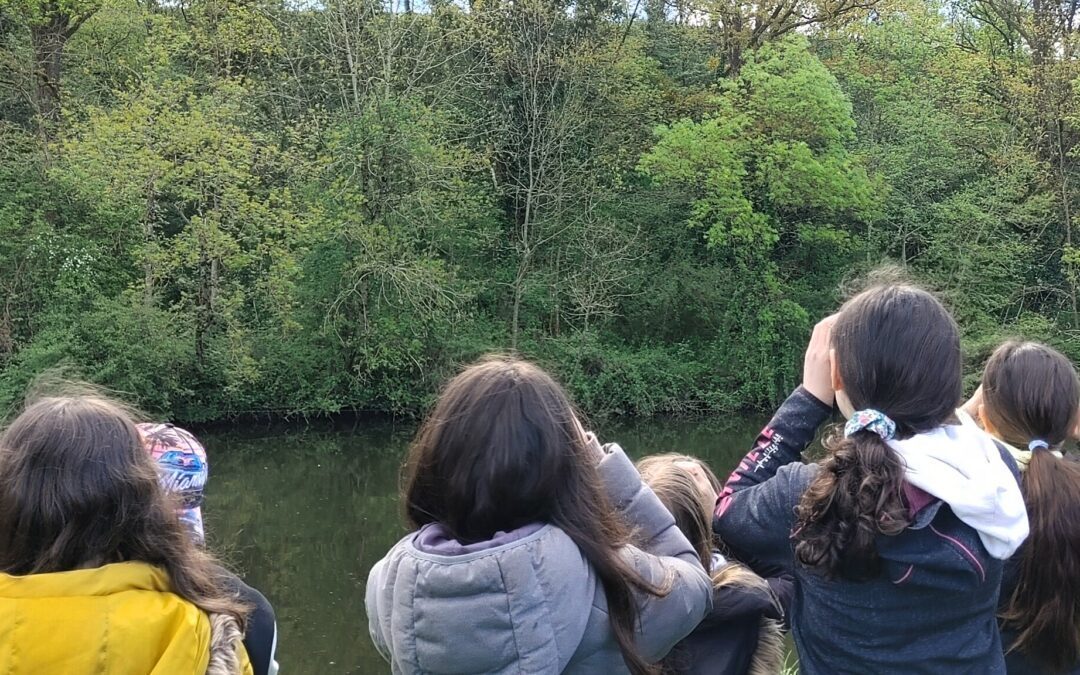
780 443
663 557
655 528
755 511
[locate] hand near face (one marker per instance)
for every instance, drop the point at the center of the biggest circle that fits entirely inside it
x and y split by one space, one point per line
817 363
974 404
590 439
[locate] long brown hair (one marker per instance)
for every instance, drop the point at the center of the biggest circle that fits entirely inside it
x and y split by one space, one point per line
1031 393
502 449
677 490
78 490
898 351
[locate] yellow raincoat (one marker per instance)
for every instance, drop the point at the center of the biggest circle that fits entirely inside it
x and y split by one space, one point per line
120 619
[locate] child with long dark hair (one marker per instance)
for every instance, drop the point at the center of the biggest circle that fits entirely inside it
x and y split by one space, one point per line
1028 401
523 561
897 538
97 574
742 633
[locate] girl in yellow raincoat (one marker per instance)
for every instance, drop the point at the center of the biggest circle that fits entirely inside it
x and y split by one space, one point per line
97 575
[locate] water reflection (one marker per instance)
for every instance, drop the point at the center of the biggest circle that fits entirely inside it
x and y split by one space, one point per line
306 514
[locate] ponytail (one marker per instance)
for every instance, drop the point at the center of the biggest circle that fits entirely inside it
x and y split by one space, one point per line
857 494
1044 608
858 491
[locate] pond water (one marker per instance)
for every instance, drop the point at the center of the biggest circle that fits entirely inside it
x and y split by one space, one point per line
304 516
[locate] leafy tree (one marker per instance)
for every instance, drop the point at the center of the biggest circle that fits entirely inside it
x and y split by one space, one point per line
776 192
226 206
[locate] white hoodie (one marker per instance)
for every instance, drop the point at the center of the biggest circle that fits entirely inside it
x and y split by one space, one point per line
961 466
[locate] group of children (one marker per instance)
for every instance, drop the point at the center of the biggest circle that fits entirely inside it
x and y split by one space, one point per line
102 564
933 537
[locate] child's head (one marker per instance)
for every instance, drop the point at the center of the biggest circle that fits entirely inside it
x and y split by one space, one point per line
182 469
1030 392
687 498
688 489
896 350
501 449
78 490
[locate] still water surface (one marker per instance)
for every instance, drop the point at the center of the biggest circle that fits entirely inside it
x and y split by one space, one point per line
304 515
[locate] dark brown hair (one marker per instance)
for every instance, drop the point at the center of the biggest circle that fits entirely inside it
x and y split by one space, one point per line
78 490
502 449
1031 392
898 352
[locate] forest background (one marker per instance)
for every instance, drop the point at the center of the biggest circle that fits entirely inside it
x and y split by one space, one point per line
227 207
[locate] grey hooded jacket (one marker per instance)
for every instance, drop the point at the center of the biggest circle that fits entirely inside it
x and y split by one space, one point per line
528 601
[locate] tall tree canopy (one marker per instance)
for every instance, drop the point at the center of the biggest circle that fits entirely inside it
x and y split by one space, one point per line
230 206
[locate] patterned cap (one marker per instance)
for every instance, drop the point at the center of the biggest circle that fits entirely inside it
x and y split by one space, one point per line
183 470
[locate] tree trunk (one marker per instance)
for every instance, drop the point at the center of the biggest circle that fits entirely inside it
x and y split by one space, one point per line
734 44
734 59
209 272
1066 206
148 239
48 41
556 293
519 291
7 333
202 310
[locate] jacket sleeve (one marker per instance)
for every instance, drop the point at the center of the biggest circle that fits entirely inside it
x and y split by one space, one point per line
260 636
663 558
656 532
260 639
755 512
371 606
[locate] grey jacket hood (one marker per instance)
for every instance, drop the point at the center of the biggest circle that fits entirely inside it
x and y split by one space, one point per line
517 608
532 604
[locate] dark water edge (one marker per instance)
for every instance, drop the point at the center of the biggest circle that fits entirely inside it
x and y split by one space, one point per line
304 512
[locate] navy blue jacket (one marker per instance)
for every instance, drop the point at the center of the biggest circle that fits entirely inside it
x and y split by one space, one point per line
728 638
260 638
932 608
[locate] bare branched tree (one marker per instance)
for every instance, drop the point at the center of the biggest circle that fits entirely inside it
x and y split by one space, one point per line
1044 103
604 261
540 130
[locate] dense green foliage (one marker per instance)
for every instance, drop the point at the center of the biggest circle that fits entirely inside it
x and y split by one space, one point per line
229 206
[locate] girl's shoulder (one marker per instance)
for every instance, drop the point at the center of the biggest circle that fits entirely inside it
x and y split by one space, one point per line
939 551
536 551
481 610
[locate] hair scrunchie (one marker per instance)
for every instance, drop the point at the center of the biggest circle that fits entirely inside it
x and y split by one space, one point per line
1038 443
871 420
